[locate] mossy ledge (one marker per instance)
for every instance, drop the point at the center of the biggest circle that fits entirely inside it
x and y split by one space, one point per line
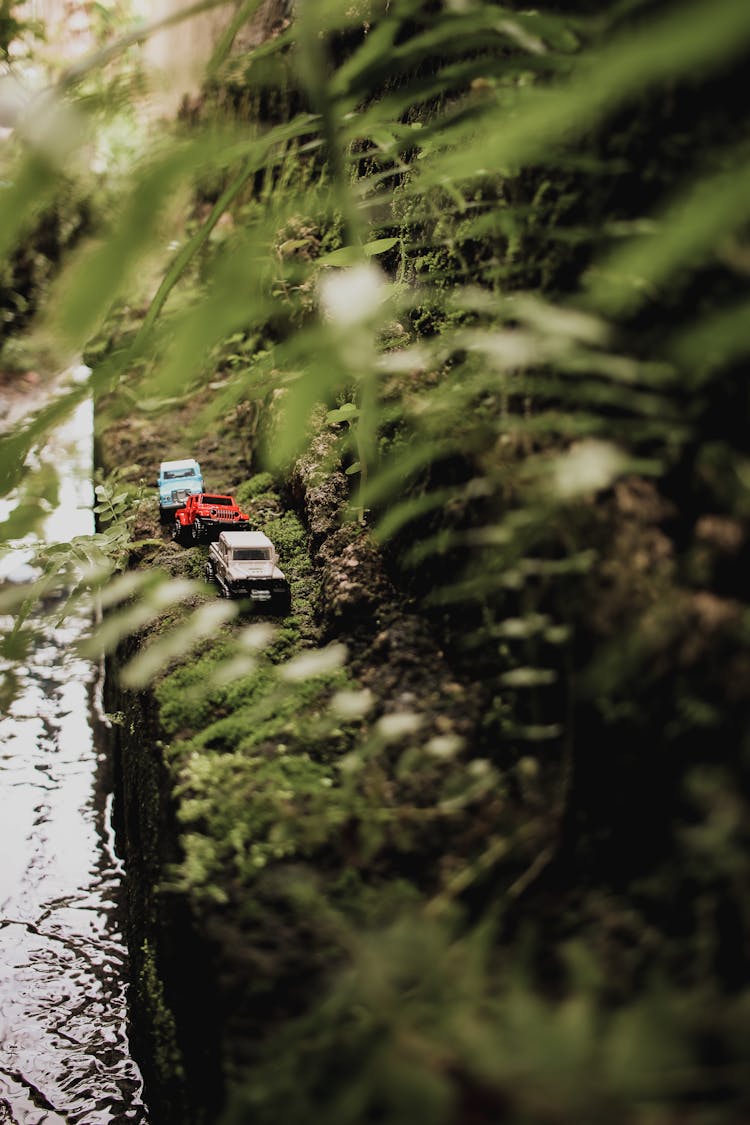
241 836
169 999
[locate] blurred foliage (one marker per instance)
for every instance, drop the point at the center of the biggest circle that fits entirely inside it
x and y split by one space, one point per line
16 30
494 262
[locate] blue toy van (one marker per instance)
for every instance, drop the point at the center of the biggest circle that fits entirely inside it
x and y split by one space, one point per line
177 480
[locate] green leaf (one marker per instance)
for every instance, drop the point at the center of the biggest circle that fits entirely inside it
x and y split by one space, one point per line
23 198
379 246
709 34
688 233
714 341
15 447
528 677
135 616
24 518
177 643
346 413
344 256
351 255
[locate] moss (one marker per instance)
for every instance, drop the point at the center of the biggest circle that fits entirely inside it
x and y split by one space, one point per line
185 697
277 808
166 1056
254 783
249 756
254 487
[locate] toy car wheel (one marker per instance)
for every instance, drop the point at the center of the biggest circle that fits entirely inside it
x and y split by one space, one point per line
283 603
197 530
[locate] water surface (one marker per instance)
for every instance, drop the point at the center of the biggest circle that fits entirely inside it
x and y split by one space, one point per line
64 1053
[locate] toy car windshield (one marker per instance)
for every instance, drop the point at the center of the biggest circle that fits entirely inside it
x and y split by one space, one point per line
251 554
178 474
225 501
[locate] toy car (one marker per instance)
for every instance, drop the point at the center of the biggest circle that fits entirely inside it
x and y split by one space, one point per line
243 564
177 480
205 516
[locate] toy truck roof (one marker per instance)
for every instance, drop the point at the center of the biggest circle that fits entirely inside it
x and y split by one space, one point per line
245 539
185 463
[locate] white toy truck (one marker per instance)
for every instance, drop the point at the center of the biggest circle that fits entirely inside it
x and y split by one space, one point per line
244 565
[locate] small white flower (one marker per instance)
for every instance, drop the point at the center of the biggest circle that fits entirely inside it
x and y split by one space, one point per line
400 723
444 746
256 637
314 662
588 466
352 296
508 349
352 704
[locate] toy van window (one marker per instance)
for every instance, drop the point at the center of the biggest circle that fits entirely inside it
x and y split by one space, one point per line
251 554
226 501
177 474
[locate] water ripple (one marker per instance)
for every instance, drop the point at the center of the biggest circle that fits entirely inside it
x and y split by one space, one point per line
64 1054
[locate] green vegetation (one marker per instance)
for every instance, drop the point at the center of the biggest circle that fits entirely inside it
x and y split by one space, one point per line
167 1061
459 313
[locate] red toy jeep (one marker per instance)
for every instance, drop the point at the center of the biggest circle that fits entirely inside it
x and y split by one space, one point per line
205 516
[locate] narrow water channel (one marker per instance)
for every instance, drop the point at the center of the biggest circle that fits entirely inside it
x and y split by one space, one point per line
64 1053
